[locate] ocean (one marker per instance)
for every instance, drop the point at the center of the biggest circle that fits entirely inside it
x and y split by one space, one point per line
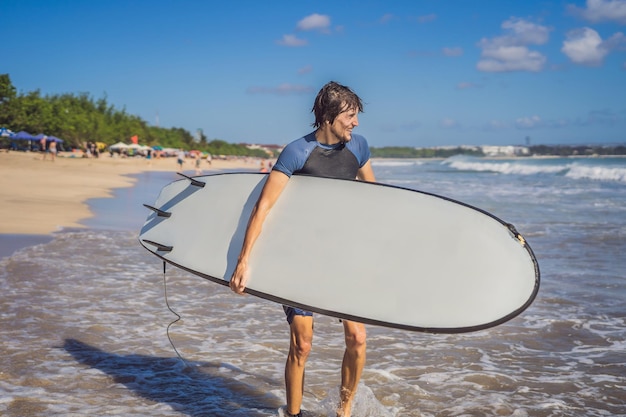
84 316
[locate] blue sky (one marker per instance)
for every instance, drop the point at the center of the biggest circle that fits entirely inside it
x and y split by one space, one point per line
430 72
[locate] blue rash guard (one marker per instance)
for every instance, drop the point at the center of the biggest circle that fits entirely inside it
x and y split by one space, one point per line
306 156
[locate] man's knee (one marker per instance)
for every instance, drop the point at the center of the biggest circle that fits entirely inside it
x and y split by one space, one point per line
301 338
299 351
356 338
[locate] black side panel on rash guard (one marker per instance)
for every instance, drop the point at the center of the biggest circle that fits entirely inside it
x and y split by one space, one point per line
338 162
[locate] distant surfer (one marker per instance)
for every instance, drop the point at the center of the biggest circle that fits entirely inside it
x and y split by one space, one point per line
332 151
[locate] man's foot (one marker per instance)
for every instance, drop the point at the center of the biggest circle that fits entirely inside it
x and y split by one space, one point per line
345 403
344 410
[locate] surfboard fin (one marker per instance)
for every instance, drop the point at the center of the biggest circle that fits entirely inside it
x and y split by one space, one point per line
159 246
194 181
159 212
516 234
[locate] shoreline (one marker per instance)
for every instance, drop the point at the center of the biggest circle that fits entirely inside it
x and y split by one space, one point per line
39 197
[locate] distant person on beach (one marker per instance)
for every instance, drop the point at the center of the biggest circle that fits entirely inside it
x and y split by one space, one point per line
198 158
332 150
180 158
52 148
42 145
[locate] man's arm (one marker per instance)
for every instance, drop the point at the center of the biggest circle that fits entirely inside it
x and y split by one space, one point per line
366 173
274 185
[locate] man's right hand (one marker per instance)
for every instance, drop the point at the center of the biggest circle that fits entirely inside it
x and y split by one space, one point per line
240 278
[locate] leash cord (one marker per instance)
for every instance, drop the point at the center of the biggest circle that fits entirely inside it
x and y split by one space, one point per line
178 318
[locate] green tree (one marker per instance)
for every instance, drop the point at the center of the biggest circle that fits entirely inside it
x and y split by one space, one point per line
7 101
7 90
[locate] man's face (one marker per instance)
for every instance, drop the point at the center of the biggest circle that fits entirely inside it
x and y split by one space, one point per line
342 127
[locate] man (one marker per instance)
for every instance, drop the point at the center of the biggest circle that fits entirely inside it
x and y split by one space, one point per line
42 145
332 150
180 158
52 148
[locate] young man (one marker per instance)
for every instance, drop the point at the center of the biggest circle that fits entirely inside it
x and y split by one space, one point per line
332 150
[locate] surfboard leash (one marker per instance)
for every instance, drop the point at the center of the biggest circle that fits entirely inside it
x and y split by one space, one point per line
178 317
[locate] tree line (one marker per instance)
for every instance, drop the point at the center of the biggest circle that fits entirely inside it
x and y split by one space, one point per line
79 118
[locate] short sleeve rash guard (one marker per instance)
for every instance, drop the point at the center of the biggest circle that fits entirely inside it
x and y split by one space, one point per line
307 156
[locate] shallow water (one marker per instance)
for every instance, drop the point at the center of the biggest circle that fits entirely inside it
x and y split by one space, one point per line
84 318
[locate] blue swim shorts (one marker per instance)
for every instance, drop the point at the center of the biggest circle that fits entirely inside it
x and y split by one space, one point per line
292 311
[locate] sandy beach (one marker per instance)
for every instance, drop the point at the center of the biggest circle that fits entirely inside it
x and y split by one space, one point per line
38 197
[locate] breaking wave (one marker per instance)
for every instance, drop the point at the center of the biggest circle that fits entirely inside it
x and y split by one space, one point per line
598 170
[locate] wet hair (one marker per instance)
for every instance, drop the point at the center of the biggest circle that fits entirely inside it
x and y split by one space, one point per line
332 100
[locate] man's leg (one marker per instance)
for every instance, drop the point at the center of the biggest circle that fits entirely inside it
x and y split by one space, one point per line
301 330
352 366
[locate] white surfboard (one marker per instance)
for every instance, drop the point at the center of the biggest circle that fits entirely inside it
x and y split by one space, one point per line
368 252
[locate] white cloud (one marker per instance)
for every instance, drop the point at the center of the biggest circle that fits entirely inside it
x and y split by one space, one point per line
511 58
616 42
528 122
510 52
583 46
519 32
292 40
496 125
602 11
524 32
315 21
456 51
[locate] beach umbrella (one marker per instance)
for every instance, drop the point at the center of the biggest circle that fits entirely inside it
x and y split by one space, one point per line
119 145
6 133
23 135
48 138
